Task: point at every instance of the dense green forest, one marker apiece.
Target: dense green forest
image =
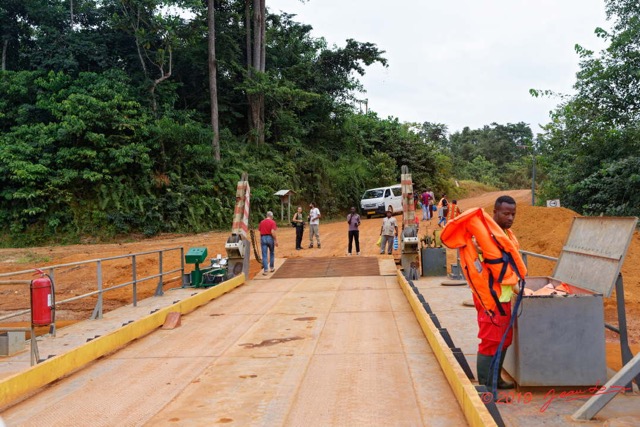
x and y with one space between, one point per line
125 116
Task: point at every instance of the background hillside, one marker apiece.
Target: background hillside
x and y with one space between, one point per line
539 229
118 118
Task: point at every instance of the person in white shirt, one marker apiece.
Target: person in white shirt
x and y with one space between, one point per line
314 223
388 232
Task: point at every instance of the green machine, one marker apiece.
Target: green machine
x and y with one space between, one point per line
205 277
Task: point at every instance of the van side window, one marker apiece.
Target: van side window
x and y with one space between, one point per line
387 193
397 192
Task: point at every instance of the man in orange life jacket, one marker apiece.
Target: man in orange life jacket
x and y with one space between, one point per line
492 328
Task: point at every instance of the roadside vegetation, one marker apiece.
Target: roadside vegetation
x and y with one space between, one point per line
108 119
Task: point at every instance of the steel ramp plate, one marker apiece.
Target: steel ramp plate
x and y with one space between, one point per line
328 267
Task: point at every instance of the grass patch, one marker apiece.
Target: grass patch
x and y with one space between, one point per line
468 189
30 257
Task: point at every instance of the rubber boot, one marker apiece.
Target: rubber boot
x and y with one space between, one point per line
502 384
483 365
484 375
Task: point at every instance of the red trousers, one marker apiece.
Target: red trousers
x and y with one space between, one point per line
491 330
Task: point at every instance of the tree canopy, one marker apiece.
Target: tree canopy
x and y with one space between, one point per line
106 121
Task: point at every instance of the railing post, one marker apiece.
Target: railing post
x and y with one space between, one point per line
35 354
182 265
159 291
135 280
97 311
52 327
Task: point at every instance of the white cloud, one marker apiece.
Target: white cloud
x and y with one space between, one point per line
461 62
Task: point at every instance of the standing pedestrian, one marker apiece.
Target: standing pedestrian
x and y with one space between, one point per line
454 210
314 224
443 210
298 222
492 290
432 200
353 219
424 199
388 232
268 242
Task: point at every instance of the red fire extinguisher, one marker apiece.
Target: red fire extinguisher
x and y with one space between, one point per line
42 300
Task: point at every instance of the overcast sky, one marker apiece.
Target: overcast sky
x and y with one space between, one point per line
461 62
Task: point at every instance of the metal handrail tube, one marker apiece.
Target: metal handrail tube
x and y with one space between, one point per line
15 314
533 254
89 294
71 264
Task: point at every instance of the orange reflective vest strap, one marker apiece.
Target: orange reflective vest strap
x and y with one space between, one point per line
501 261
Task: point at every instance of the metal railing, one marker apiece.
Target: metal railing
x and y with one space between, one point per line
525 254
97 311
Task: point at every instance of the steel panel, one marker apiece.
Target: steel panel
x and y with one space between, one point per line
598 246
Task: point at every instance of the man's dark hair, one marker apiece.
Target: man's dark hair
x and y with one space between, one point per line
504 199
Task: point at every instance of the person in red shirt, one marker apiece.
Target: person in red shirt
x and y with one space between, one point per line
268 242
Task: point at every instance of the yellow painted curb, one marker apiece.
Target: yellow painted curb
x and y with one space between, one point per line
15 386
473 409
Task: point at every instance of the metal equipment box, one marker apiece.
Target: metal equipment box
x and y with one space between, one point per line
559 340
434 261
196 255
11 342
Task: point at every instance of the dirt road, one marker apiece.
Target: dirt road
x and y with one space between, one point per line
539 229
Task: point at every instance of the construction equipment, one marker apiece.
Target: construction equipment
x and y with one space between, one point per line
409 243
238 246
205 277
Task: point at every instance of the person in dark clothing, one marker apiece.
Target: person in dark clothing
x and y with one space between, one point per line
443 210
298 221
353 219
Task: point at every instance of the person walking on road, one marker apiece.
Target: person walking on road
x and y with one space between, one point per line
314 224
353 219
388 232
443 210
268 242
298 222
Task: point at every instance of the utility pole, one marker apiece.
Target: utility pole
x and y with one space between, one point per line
533 176
533 170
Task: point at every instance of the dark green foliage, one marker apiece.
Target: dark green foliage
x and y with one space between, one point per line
496 155
595 135
104 124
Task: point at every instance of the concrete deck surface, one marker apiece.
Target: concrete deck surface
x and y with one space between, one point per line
315 351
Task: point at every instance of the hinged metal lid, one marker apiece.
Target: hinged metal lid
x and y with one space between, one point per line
594 252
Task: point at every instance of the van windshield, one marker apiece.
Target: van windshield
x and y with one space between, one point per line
373 194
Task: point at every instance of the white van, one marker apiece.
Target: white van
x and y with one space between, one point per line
379 200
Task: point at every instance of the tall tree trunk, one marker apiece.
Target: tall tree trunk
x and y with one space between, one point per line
263 34
213 80
256 101
257 34
247 26
5 46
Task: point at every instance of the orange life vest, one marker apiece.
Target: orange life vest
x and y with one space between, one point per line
454 211
500 262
